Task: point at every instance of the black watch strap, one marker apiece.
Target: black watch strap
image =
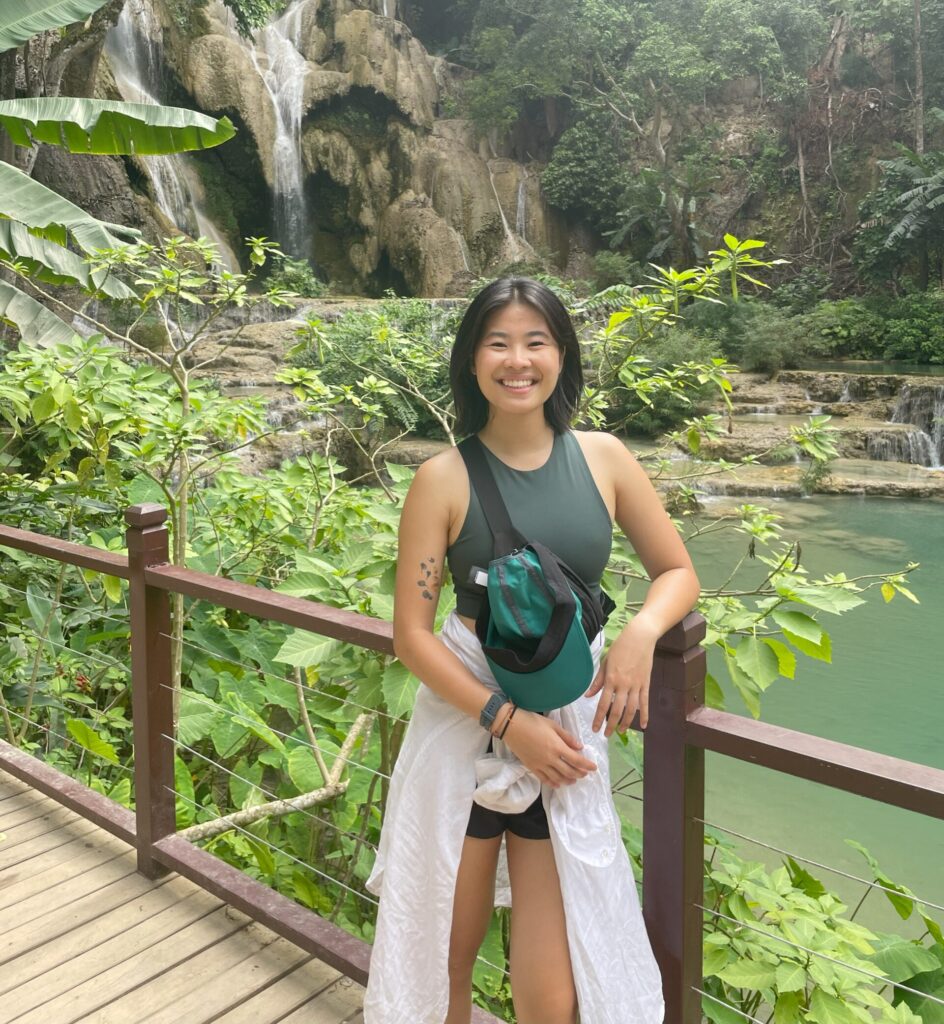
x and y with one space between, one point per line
488 713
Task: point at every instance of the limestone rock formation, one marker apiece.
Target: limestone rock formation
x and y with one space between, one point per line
397 194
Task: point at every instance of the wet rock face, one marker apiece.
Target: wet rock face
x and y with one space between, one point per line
878 417
391 187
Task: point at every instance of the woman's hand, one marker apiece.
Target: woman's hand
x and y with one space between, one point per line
546 749
623 679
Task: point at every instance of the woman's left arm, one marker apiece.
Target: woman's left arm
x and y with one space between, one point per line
623 678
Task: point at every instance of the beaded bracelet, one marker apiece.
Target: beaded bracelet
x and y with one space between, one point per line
511 715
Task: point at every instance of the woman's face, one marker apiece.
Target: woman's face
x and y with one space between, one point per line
517 360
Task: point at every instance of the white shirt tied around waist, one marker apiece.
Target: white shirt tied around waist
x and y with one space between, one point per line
442 763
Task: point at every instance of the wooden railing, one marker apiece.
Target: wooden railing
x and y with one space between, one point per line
680 730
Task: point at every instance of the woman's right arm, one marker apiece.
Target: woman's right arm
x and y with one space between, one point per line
541 745
421 555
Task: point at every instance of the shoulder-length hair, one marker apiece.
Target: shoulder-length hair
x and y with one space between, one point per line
471 405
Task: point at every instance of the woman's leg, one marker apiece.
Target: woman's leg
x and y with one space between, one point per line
542 980
472 911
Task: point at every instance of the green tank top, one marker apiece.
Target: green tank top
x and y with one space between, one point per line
557 504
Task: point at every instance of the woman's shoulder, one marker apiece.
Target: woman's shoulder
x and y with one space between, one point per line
603 445
441 476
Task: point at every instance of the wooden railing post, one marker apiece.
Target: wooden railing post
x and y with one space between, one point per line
151 696
673 798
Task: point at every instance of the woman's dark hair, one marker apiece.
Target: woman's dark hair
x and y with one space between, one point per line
471 404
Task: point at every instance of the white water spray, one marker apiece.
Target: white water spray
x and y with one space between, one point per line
279 63
521 213
133 47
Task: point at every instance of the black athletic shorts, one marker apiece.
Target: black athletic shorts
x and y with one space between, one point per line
529 824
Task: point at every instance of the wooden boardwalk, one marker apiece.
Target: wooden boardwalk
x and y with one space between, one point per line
83 937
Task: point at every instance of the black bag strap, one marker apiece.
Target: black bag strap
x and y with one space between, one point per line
505 538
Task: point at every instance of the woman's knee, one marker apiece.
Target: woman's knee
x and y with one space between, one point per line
551 1003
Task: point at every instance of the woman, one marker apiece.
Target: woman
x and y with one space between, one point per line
577 937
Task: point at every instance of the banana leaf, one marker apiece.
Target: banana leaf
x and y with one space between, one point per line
48 262
49 215
21 19
37 326
111 127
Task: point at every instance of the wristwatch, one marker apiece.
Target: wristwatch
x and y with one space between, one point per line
488 713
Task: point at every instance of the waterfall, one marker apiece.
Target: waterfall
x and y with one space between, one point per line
521 213
923 406
133 48
913 446
512 246
283 70
389 8
464 248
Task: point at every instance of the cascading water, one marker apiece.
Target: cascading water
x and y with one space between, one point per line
133 48
283 69
521 213
923 405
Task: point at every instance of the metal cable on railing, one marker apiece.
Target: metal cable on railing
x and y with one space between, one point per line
826 867
627 796
727 1005
283 853
71 740
64 647
815 952
284 735
311 867
273 796
70 607
259 671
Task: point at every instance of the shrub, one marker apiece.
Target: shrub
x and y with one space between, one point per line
847 327
668 348
297 276
914 330
610 268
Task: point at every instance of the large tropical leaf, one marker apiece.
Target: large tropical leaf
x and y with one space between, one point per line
37 326
49 215
110 126
21 19
51 263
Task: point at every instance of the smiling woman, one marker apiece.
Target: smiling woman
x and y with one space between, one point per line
578 942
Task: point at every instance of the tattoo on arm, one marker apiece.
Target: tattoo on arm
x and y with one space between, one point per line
429 578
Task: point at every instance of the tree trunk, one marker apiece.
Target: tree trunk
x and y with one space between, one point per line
919 82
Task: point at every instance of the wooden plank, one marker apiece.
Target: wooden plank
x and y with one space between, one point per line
113 982
224 990
339 1004
9 786
286 994
83 854
59 895
49 820
23 807
188 974
88 944
19 863
79 906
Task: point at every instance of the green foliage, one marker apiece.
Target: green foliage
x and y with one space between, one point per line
613 268
296 277
787 949
401 345
28 17
43 226
589 170
914 328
